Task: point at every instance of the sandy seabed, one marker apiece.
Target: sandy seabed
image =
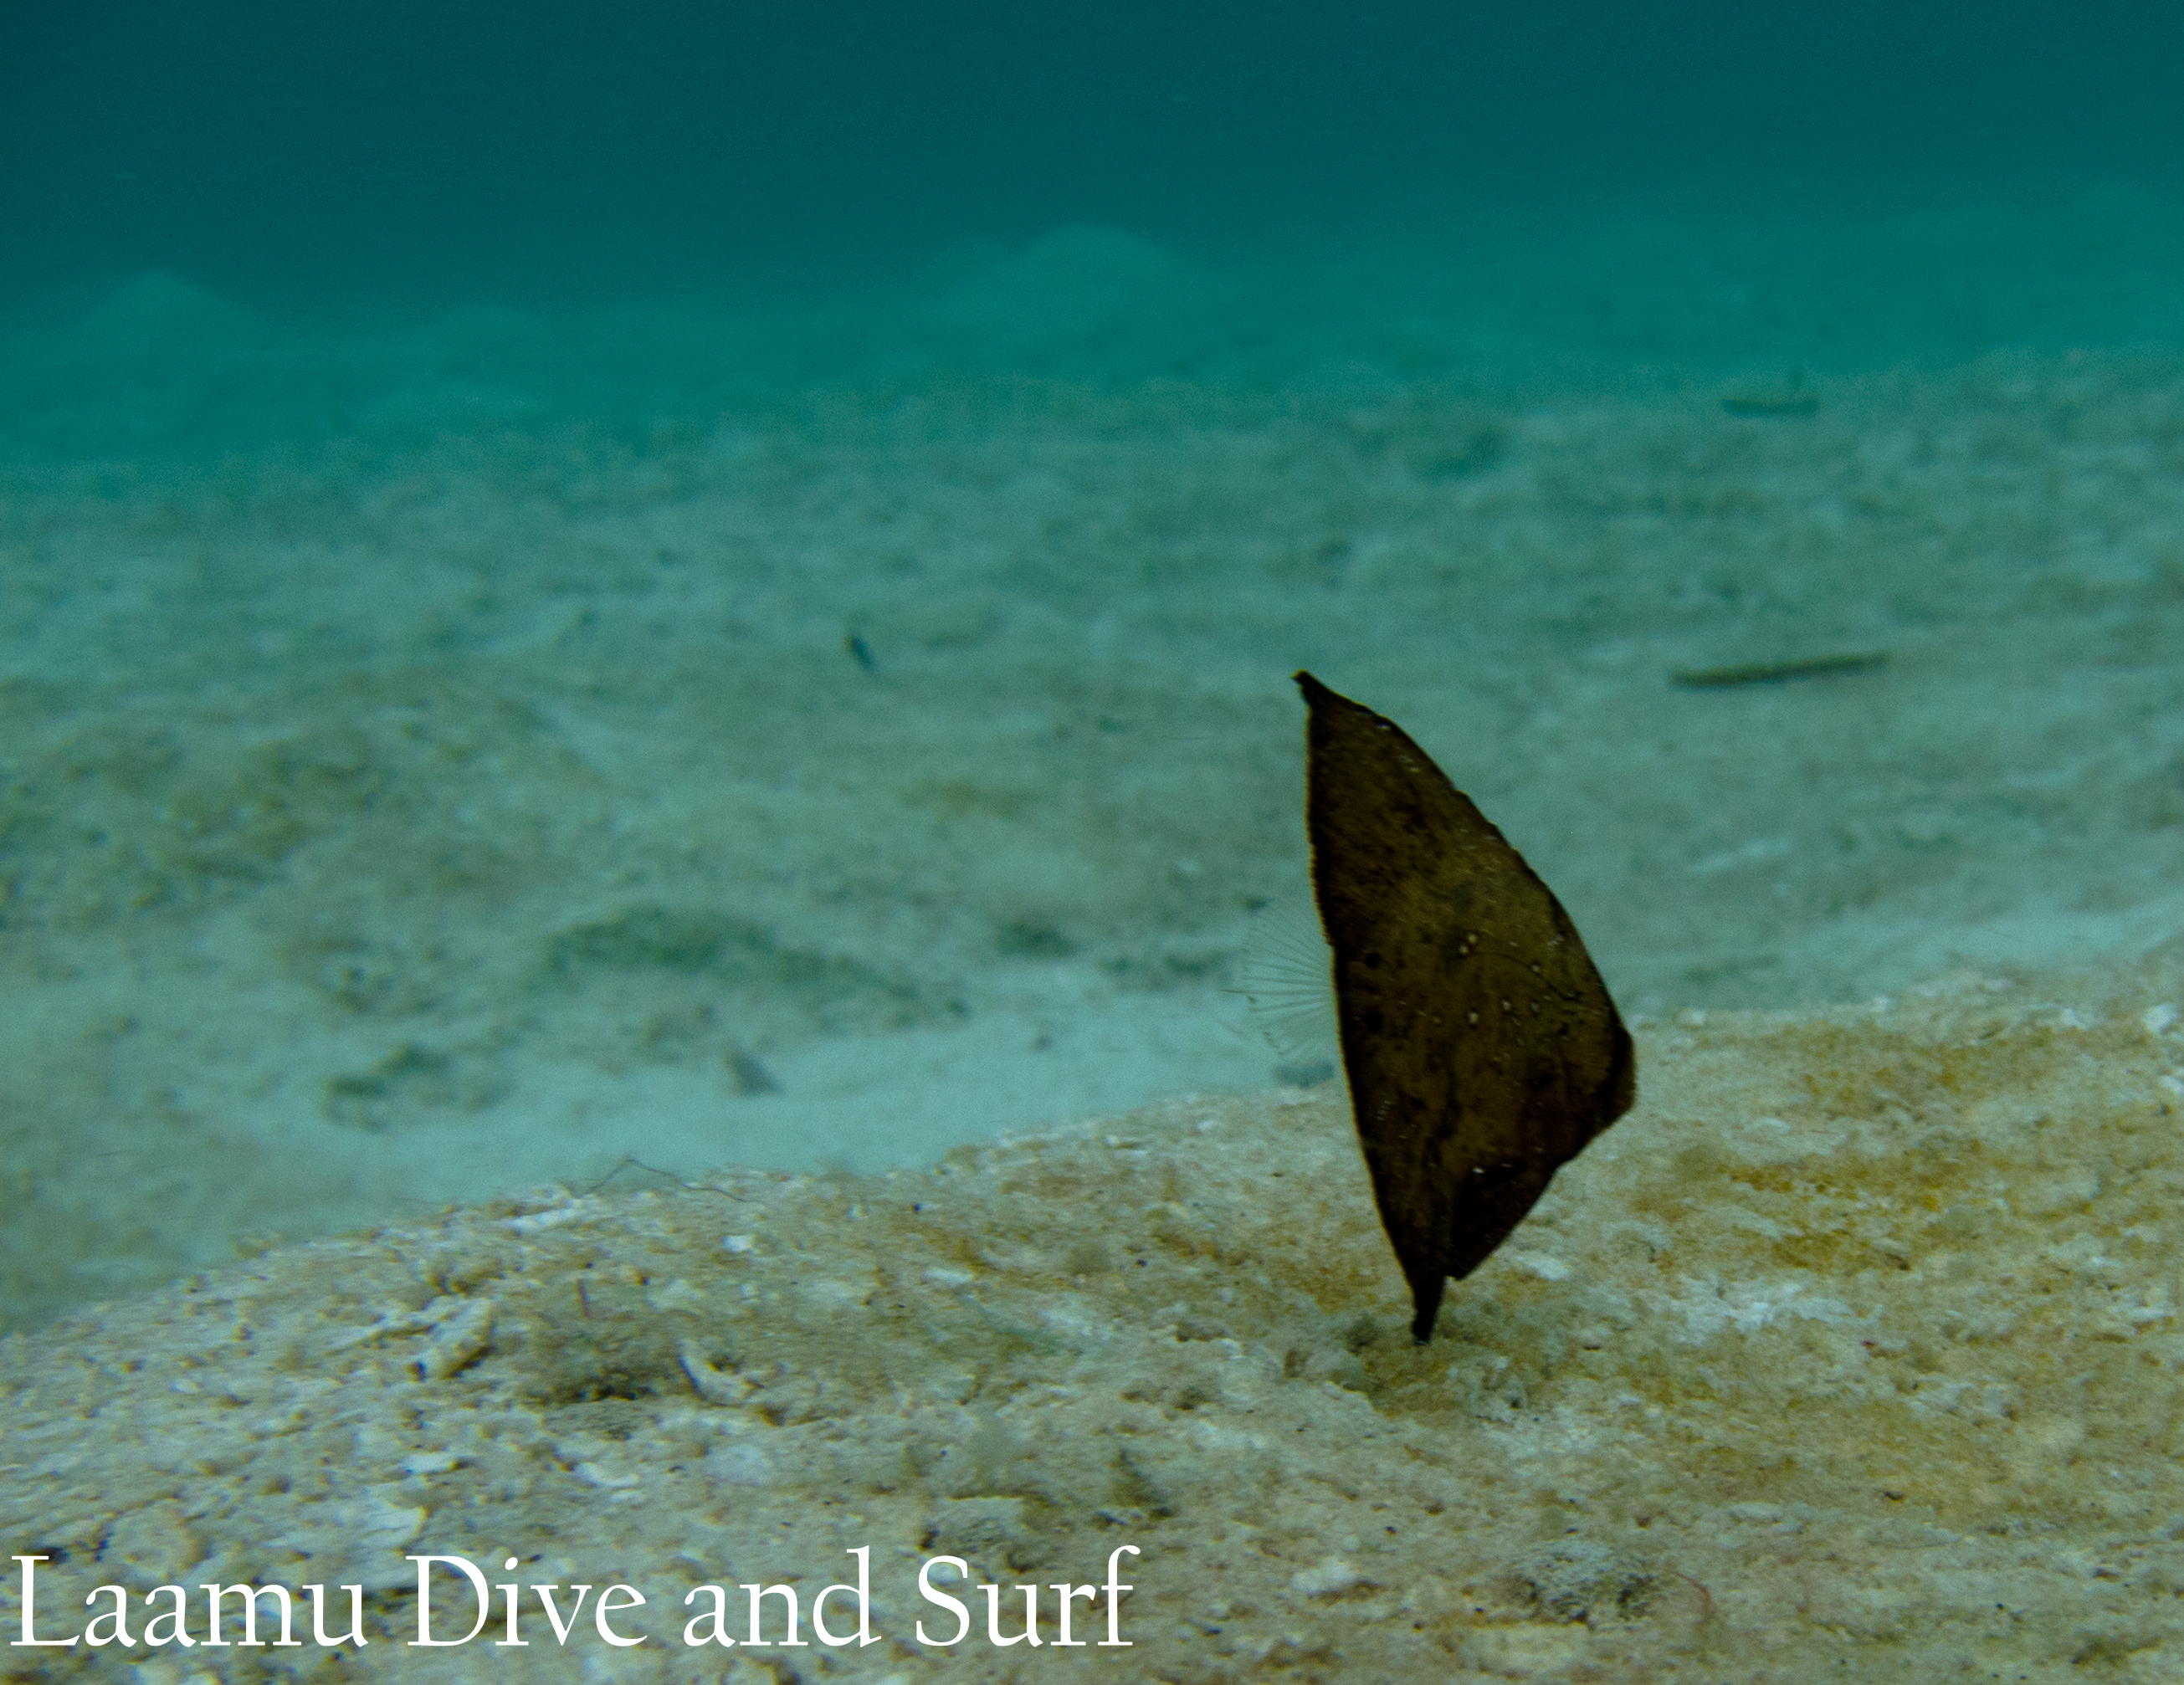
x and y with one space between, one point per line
1853 1352
383 827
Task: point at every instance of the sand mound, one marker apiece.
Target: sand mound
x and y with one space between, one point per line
1854 1345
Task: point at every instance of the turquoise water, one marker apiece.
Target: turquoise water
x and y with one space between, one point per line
723 590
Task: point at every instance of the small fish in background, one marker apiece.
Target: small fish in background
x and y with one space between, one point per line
1777 672
749 1076
1755 409
1763 402
859 651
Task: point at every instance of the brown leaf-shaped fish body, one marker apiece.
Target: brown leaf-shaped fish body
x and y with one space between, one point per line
1482 1050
